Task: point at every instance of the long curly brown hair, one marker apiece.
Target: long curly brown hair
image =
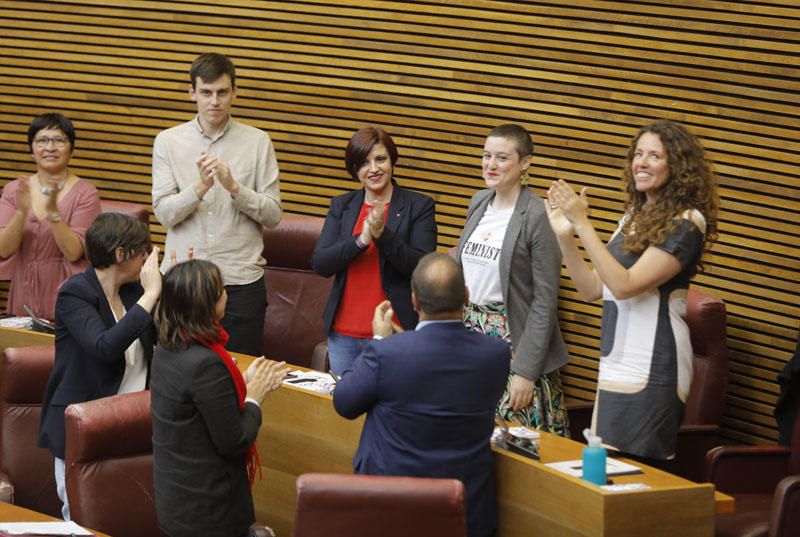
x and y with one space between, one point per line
692 184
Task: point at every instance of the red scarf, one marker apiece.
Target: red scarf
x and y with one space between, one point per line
218 346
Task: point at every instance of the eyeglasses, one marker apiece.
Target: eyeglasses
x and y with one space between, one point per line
43 141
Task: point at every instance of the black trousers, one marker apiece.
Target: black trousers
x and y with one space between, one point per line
244 317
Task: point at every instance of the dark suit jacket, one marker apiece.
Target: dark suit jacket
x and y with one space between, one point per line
430 397
788 404
409 234
90 349
530 272
199 442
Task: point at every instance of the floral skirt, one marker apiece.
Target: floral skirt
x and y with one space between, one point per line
547 410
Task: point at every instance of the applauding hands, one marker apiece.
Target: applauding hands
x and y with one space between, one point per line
213 168
24 195
373 224
382 324
264 376
565 209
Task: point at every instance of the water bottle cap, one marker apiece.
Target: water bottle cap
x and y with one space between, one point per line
592 439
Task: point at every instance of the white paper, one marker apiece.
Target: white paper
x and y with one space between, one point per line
625 487
314 381
524 432
17 322
613 467
519 432
43 528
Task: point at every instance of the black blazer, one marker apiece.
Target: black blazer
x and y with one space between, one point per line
430 396
409 234
90 349
199 442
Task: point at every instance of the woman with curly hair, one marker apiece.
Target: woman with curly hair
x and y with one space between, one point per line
643 275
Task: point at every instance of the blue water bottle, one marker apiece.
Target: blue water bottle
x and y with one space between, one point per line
594 459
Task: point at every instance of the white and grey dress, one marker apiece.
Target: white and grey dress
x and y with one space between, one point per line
646 352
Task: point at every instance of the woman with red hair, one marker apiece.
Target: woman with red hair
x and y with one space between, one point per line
371 242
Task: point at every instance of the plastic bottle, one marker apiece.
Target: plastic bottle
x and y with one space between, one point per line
594 459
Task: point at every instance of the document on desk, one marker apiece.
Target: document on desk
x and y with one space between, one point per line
314 381
613 467
16 322
42 528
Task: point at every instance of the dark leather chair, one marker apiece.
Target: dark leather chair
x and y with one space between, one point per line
109 465
109 462
124 207
765 483
339 505
295 293
26 470
707 321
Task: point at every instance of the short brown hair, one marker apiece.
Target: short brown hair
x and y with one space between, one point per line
110 231
362 142
189 297
517 134
210 66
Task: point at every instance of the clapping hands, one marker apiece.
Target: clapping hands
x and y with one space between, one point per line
565 208
264 376
173 256
373 224
150 277
213 168
382 324
23 198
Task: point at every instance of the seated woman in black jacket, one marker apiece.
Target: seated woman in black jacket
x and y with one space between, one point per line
104 329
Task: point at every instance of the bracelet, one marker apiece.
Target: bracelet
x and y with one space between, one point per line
55 217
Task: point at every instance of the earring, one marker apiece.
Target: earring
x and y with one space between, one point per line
523 179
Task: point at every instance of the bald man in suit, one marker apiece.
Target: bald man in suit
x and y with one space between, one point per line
430 394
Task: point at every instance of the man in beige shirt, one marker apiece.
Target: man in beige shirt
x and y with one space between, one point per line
215 184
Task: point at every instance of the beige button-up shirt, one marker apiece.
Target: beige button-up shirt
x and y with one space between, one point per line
221 228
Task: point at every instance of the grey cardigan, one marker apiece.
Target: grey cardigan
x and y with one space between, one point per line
530 270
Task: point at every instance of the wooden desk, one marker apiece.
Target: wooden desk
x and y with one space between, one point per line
302 433
14 513
17 337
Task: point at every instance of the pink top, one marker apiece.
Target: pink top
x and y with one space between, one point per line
39 268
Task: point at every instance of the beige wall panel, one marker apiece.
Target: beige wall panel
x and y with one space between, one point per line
438 75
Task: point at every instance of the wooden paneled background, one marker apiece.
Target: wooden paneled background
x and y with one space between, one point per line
438 75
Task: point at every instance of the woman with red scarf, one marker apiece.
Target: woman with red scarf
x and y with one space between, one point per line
206 413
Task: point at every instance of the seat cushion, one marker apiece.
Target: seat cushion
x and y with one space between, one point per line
751 518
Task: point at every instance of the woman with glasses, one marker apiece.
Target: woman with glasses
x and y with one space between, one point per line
104 327
43 220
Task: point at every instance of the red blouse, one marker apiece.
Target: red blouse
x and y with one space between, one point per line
363 290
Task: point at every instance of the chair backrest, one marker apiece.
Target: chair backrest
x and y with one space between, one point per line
341 505
124 207
295 293
707 321
794 447
109 465
24 373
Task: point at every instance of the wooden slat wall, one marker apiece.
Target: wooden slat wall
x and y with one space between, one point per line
438 75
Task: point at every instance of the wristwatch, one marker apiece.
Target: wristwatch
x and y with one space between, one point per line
54 217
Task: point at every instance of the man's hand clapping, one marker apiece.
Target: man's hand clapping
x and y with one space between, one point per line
382 324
